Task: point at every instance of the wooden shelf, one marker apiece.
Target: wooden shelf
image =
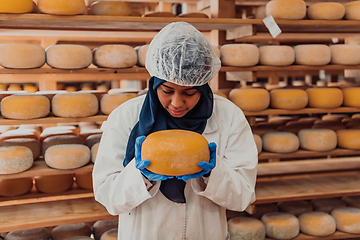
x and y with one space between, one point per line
47 120
336 235
89 70
272 111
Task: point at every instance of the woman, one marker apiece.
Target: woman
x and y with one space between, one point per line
155 207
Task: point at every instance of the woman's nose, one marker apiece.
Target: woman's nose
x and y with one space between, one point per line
177 101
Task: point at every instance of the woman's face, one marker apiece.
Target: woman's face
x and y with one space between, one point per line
177 100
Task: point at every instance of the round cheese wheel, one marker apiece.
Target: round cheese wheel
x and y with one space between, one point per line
29 234
21 55
246 228
345 54
312 54
16 6
317 139
15 187
111 234
93 139
110 8
351 96
62 7
29 88
159 14
70 230
334 116
280 142
77 104
286 9
258 142
325 97
295 207
54 183
327 204
101 226
347 219
175 152
239 55
33 144
114 56
84 180
15 159
317 223
28 106
288 98
352 10
68 56
109 102
351 201
193 15
141 55
58 131
276 55
85 133
60 139
250 99
326 11
280 225
67 156
94 150
19 133
348 138
260 12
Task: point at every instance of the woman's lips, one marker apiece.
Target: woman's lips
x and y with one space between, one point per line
176 112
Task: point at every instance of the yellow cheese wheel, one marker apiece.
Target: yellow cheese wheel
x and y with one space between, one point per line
175 152
141 55
286 9
239 55
351 201
280 142
68 56
326 11
246 228
276 55
295 207
111 234
24 107
19 133
93 139
114 56
29 234
347 219
325 97
159 14
312 54
317 139
15 159
93 152
335 116
351 96
258 142
62 7
15 187
29 88
352 10
327 204
101 226
110 8
85 133
70 230
21 55
58 131
16 6
260 12
54 183
193 15
348 138
345 54
280 225
67 156
109 102
84 180
33 144
251 99
77 104
60 139
288 98
317 223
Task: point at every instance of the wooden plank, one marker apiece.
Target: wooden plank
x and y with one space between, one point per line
336 235
51 119
89 70
289 68
271 111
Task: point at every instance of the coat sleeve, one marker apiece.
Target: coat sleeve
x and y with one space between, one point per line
232 182
120 189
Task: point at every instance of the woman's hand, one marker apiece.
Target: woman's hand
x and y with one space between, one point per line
142 164
206 166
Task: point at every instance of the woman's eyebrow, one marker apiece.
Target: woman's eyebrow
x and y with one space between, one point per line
191 88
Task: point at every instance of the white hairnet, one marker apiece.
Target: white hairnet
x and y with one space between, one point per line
181 54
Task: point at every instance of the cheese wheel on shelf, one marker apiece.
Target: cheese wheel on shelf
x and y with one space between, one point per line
85 133
78 104
62 7
15 159
141 55
67 156
29 234
335 116
317 223
351 96
280 142
280 225
115 56
347 219
326 11
295 207
84 180
276 55
345 54
252 99
101 226
93 139
325 97
327 204
159 14
260 12
109 102
33 144
348 138
16 6
110 8
162 149
286 9
317 139
239 55
352 10
21 55
258 142
111 234
20 133
15 187
312 54
246 228
193 15
288 98
54 183
70 230
60 139
351 201
93 152
69 56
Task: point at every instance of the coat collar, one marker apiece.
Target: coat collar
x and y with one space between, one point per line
212 124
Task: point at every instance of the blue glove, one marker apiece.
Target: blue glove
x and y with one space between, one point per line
206 166
142 164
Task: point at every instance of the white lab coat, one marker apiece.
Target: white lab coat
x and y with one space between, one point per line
144 212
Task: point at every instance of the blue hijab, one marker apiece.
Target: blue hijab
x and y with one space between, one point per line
154 117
